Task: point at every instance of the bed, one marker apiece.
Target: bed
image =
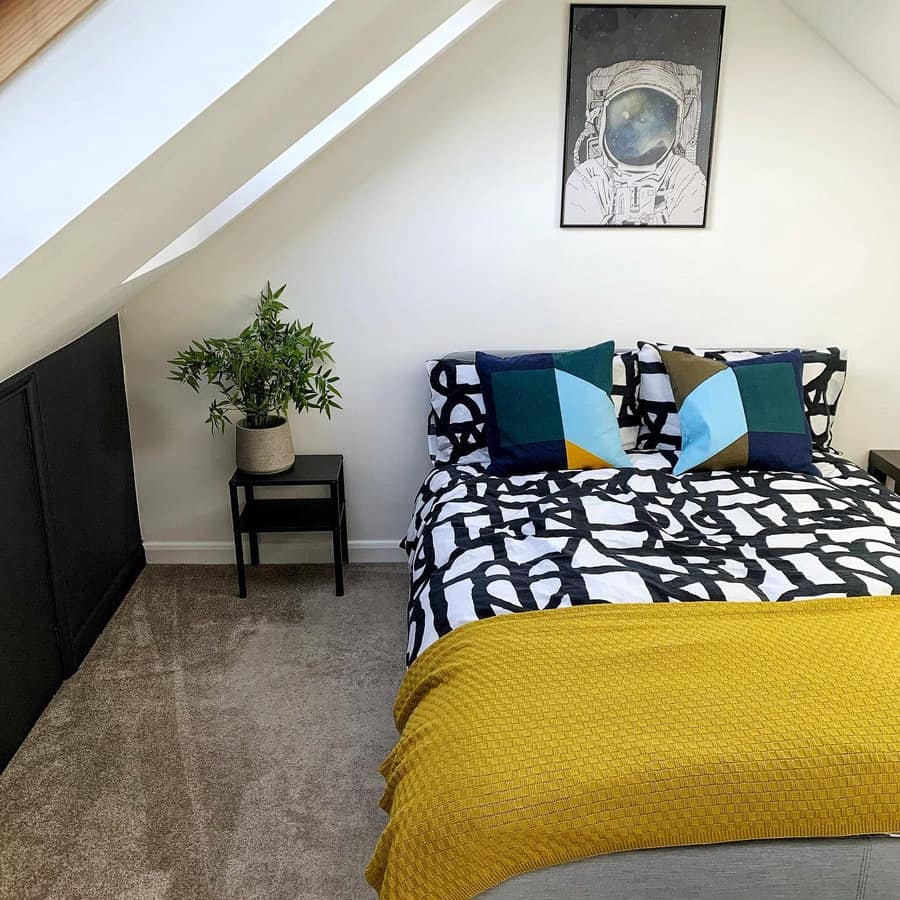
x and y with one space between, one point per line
482 546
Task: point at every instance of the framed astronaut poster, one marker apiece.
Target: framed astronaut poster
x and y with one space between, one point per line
640 112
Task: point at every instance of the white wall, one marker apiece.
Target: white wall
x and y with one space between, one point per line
864 31
432 226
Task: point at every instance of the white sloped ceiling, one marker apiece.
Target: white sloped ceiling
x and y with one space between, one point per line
112 89
865 32
64 287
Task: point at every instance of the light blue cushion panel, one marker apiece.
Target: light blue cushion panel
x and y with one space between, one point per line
712 417
589 419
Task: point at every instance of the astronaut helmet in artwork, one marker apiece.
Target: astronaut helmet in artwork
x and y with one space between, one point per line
635 159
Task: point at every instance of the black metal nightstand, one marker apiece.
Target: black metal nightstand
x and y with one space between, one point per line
300 514
884 464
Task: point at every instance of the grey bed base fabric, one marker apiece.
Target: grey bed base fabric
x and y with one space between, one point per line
855 868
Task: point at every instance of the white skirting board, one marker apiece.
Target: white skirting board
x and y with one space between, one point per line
272 549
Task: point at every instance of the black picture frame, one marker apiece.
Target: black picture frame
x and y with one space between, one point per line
642 49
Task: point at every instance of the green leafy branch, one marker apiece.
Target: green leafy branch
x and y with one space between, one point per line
268 367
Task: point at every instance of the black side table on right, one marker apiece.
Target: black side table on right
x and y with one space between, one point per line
884 464
300 514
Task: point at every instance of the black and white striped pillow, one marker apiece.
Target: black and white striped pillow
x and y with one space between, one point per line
824 372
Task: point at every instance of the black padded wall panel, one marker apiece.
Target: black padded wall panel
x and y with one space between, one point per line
70 541
30 660
95 536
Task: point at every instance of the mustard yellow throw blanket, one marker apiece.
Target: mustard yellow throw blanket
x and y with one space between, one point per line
537 738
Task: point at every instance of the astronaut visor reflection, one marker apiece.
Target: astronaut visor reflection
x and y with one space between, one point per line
640 126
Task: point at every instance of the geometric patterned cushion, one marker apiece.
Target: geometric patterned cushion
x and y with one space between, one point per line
456 419
740 415
551 411
824 373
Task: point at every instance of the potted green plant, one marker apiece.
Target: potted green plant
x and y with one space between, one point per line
268 367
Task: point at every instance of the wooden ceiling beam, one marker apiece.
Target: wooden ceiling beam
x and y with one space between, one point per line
27 26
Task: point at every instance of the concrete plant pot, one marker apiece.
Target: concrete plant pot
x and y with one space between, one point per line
264 451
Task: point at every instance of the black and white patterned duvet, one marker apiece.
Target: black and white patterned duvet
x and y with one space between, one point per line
481 546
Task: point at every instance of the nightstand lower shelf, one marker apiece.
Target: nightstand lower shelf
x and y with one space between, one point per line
270 516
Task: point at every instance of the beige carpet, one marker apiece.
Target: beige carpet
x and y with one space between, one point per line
214 748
